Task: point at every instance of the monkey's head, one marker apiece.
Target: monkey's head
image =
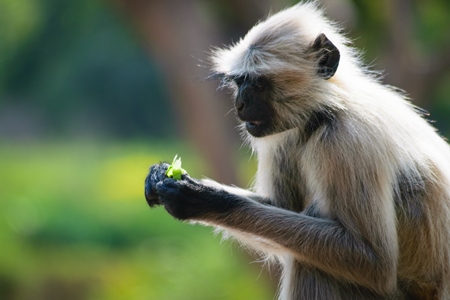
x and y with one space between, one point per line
281 70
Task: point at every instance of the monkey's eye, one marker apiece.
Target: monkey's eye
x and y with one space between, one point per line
259 84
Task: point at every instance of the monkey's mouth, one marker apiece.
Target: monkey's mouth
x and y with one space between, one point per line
256 128
253 124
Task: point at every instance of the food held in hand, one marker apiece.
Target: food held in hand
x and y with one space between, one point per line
175 171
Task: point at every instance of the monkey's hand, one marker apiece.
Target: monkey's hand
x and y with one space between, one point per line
157 174
190 199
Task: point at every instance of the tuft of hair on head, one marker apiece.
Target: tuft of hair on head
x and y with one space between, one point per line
296 39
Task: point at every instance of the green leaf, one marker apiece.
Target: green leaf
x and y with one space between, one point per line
174 170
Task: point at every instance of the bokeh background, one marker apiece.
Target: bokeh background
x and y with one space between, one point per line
93 92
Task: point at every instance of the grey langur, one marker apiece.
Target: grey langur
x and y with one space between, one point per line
352 191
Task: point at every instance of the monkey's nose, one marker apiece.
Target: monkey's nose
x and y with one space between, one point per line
239 104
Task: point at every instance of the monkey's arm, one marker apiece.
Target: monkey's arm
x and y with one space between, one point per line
237 191
323 243
157 174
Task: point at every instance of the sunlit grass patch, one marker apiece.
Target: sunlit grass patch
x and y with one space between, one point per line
74 217
122 178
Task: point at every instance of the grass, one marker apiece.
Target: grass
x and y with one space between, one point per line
75 225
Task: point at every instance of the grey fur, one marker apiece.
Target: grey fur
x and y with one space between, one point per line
352 192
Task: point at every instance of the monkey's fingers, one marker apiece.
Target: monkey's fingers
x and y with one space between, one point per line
156 174
150 192
171 197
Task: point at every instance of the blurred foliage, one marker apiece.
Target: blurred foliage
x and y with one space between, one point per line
18 20
75 225
430 20
432 23
78 66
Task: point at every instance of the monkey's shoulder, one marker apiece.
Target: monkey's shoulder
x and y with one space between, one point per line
322 121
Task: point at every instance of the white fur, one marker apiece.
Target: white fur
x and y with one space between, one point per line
388 133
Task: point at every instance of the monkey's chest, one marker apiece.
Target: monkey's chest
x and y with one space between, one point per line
288 188
280 177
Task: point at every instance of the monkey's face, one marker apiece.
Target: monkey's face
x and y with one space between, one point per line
268 104
275 73
253 103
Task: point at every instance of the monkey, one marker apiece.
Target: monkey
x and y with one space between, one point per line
352 190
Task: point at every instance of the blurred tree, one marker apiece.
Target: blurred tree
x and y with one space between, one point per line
18 21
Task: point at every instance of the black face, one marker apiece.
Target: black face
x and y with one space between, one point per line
253 104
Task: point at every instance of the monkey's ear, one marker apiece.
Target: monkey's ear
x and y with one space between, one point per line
328 56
